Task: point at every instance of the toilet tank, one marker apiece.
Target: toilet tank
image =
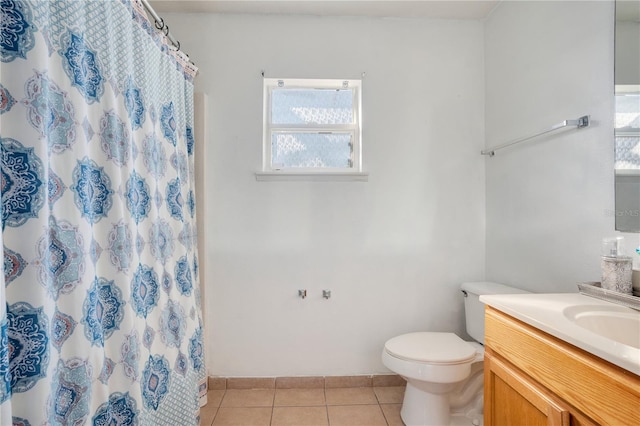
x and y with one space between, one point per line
474 308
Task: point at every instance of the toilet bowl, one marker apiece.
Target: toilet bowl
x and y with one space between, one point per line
436 366
433 364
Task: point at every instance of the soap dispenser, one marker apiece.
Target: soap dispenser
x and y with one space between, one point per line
616 267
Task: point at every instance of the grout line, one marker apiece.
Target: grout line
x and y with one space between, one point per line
326 406
273 402
383 414
218 409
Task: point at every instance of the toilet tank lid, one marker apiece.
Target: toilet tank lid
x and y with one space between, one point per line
487 287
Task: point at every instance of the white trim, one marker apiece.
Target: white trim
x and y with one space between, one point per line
275 176
627 172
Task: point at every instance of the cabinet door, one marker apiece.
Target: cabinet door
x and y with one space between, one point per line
512 398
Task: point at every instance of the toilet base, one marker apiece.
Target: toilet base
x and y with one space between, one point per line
461 420
461 406
421 408
424 418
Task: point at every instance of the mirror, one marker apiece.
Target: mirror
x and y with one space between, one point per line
627 116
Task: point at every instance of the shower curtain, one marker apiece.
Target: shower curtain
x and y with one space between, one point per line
99 309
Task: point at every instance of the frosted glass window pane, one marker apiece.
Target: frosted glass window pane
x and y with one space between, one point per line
295 149
627 111
627 120
312 106
627 152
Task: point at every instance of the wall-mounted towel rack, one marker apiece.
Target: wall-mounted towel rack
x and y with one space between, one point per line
578 122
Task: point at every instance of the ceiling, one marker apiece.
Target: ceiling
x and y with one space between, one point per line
442 9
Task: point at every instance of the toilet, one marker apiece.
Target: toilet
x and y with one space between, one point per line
443 372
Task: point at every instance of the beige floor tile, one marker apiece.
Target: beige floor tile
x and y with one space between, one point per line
299 416
347 381
350 396
356 415
299 397
243 416
300 382
251 382
248 398
390 394
217 383
214 397
392 414
207 414
388 380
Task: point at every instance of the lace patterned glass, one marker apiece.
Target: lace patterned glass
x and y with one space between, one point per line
627 125
304 149
312 106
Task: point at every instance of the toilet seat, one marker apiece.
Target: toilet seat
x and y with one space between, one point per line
431 348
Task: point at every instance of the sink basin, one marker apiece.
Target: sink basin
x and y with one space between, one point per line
619 324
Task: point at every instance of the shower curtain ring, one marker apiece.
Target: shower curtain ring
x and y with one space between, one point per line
177 44
160 25
166 30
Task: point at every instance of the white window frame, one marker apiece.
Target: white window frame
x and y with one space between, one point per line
273 172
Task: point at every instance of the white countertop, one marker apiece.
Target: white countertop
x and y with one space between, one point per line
547 313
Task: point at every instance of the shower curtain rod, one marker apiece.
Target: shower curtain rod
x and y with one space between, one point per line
161 26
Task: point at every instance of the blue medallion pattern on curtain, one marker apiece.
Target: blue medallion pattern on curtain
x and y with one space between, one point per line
100 317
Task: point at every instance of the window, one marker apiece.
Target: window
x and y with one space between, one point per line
312 127
627 127
627 158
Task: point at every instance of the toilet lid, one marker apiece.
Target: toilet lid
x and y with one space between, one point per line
429 347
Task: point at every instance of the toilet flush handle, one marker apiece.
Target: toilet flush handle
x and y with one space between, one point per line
465 293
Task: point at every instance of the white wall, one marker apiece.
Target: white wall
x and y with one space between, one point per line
550 201
392 250
628 53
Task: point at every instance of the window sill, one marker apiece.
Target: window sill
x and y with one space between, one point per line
313 177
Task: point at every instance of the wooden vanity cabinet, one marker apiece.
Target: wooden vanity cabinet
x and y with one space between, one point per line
533 378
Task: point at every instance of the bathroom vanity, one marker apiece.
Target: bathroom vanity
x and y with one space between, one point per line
543 367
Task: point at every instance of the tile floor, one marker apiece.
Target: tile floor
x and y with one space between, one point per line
355 406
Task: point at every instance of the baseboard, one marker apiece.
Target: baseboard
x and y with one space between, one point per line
305 382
